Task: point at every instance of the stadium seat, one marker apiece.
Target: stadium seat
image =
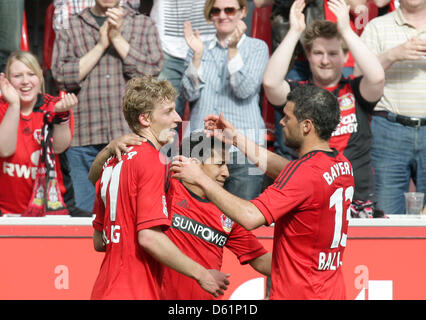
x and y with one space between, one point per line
261 29
49 37
24 34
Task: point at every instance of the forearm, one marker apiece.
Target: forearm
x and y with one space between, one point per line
367 62
98 242
9 131
262 264
89 61
274 83
162 249
61 137
96 168
239 210
387 58
121 46
267 161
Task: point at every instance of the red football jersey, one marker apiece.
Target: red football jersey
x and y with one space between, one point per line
309 204
19 171
200 230
130 197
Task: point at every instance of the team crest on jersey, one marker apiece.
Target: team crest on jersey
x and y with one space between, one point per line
37 135
346 102
165 206
226 223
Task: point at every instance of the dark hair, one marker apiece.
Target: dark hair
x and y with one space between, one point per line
318 105
198 146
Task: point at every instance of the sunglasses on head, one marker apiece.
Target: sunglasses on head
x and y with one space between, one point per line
229 11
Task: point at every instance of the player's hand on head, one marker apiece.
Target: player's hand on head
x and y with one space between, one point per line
187 169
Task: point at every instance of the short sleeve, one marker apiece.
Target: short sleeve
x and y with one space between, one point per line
244 244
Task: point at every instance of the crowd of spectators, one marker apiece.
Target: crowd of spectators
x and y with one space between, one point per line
377 65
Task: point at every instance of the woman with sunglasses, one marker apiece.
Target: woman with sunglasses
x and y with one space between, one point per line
224 75
34 129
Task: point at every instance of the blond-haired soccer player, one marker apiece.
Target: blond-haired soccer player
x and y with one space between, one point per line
130 207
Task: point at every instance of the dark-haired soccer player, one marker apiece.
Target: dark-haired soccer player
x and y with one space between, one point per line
308 201
131 210
199 229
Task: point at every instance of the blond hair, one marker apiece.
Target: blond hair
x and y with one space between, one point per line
321 29
29 60
142 95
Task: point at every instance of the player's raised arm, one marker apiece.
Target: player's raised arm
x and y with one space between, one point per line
269 162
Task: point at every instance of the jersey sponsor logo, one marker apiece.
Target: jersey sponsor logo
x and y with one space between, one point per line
199 230
348 121
227 223
19 171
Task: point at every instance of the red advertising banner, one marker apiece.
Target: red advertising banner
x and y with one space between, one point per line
53 258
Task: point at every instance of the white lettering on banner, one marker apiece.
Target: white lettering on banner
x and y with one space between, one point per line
62 281
19 171
338 169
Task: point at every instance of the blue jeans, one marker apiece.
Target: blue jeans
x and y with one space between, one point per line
11 15
173 70
398 153
80 160
245 179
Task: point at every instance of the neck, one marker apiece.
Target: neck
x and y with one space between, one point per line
310 146
415 16
98 10
194 189
222 38
325 84
147 134
27 108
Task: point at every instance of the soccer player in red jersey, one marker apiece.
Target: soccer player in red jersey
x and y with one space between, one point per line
200 229
327 46
131 210
308 201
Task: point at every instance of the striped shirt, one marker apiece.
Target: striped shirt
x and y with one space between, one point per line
65 8
170 16
405 84
98 115
231 87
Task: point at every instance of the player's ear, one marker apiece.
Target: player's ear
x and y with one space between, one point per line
307 126
144 120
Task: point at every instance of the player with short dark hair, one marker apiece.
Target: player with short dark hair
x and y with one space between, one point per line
200 229
308 201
